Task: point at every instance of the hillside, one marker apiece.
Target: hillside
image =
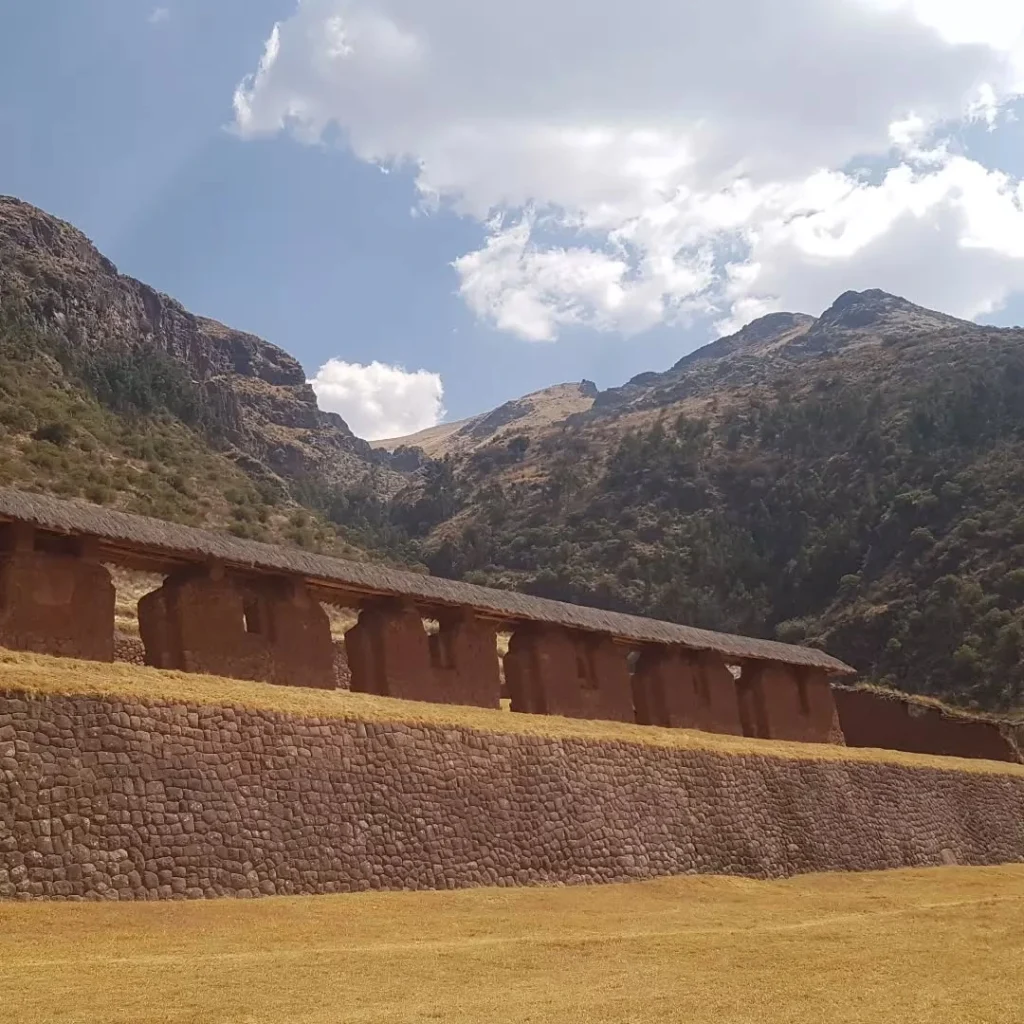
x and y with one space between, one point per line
853 480
116 393
530 413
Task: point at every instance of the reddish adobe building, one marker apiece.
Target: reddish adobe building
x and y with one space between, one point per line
202 621
391 654
553 671
238 608
55 596
681 689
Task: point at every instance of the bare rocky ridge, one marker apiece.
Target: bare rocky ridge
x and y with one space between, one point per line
267 410
531 412
748 357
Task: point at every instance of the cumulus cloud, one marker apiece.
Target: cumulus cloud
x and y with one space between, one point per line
644 163
379 400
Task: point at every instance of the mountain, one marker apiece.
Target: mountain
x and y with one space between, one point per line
116 392
530 413
853 480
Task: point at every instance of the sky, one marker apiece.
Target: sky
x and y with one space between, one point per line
440 206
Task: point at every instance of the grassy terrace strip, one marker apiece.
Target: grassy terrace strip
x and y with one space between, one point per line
33 674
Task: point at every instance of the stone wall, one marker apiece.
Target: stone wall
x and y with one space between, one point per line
108 799
129 649
871 719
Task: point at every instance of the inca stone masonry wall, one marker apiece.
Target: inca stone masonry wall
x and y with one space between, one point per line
108 799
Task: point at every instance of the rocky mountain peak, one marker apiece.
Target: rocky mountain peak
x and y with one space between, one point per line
874 315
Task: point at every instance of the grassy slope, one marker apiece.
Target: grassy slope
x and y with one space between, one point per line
903 946
42 675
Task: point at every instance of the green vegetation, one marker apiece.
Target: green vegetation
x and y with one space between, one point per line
872 504
131 430
904 947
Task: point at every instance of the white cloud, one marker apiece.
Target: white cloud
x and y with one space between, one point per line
379 400
636 164
159 15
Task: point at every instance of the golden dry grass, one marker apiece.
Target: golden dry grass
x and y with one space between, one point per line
35 673
933 946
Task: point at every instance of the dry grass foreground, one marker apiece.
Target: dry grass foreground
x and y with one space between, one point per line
941 945
42 675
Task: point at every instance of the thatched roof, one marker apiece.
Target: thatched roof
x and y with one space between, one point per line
152 543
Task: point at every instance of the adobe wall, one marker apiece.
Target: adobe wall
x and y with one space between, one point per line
553 671
272 631
784 702
464 662
871 720
111 799
685 690
54 603
390 654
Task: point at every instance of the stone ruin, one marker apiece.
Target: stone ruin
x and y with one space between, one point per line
251 611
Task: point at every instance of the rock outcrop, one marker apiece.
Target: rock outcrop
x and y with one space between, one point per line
255 392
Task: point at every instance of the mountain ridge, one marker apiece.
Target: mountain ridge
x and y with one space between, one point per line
851 481
266 407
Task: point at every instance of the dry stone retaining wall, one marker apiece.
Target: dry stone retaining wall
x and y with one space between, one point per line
101 798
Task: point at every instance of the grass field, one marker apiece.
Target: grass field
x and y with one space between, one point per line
942 945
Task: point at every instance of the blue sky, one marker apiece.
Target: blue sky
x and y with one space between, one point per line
530 229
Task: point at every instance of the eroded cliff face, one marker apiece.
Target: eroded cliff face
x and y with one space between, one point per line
257 392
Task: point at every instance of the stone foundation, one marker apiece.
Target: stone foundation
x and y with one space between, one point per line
129 649
108 799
